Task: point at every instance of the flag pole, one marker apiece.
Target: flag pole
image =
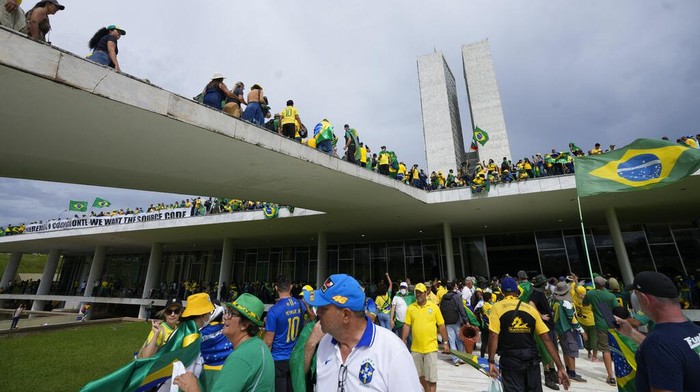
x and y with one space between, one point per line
583 233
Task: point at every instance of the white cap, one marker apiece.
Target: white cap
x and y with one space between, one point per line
403 284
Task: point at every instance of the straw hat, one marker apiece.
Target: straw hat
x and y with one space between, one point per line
562 292
218 76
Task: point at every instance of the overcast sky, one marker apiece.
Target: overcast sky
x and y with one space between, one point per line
594 71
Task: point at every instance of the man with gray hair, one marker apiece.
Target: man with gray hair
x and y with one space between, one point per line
669 358
468 290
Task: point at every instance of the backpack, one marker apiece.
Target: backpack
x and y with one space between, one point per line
449 310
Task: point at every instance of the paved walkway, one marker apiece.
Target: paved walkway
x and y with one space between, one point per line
38 321
466 378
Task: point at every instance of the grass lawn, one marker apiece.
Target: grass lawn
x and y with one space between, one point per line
67 359
30 263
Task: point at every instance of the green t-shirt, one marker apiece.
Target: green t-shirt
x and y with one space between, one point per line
597 298
249 368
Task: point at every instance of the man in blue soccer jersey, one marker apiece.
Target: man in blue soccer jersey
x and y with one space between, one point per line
284 321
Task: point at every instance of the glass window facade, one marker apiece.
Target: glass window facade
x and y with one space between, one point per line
671 250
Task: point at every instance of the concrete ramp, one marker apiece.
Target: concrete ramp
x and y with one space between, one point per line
67 119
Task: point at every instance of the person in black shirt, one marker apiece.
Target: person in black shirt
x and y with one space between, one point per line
539 300
104 46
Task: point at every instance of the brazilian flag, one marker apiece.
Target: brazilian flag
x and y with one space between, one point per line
76 205
644 164
101 203
481 136
623 350
271 210
148 374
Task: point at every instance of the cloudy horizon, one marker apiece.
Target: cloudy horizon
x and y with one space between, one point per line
593 72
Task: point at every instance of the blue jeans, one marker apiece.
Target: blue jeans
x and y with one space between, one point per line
325 146
384 320
455 344
99 57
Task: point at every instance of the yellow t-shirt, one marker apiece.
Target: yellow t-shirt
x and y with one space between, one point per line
440 292
432 298
402 169
522 322
363 154
383 303
289 115
584 313
162 338
383 158
423 321
691 142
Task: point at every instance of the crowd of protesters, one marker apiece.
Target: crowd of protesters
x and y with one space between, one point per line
198 206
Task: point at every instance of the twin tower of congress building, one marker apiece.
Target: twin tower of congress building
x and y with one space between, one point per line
346 219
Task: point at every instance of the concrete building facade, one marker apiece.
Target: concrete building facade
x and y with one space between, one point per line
442 129
484 100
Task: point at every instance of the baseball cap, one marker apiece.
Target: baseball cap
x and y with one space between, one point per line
403 284
340 290
656 284
173 302
600 281
116 27
56 3
509 285
421 287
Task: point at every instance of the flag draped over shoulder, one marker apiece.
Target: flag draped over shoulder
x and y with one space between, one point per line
77 205
144 374
644 164
481 136
296 361
622 350
101 203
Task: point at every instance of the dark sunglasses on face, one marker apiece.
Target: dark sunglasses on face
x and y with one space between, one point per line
172 311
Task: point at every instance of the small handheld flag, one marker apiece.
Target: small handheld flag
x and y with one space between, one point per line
76 205
101 203
481 136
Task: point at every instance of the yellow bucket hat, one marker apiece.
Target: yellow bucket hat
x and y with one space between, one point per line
197 305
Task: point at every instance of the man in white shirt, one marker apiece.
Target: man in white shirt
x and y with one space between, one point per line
356 355
398 309
468 290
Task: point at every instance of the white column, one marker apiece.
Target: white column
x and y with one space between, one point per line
11 269
47 278
98 262
623 260
322 260
226 264
152 273
10 272
449 252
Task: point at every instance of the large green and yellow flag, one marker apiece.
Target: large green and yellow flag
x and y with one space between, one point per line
148 374
644 164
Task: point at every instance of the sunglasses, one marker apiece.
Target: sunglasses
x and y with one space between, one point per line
229 313
172 311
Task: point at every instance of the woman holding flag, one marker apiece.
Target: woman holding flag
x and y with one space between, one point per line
250 367
162 329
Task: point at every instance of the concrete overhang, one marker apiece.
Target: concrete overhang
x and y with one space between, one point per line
69 120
